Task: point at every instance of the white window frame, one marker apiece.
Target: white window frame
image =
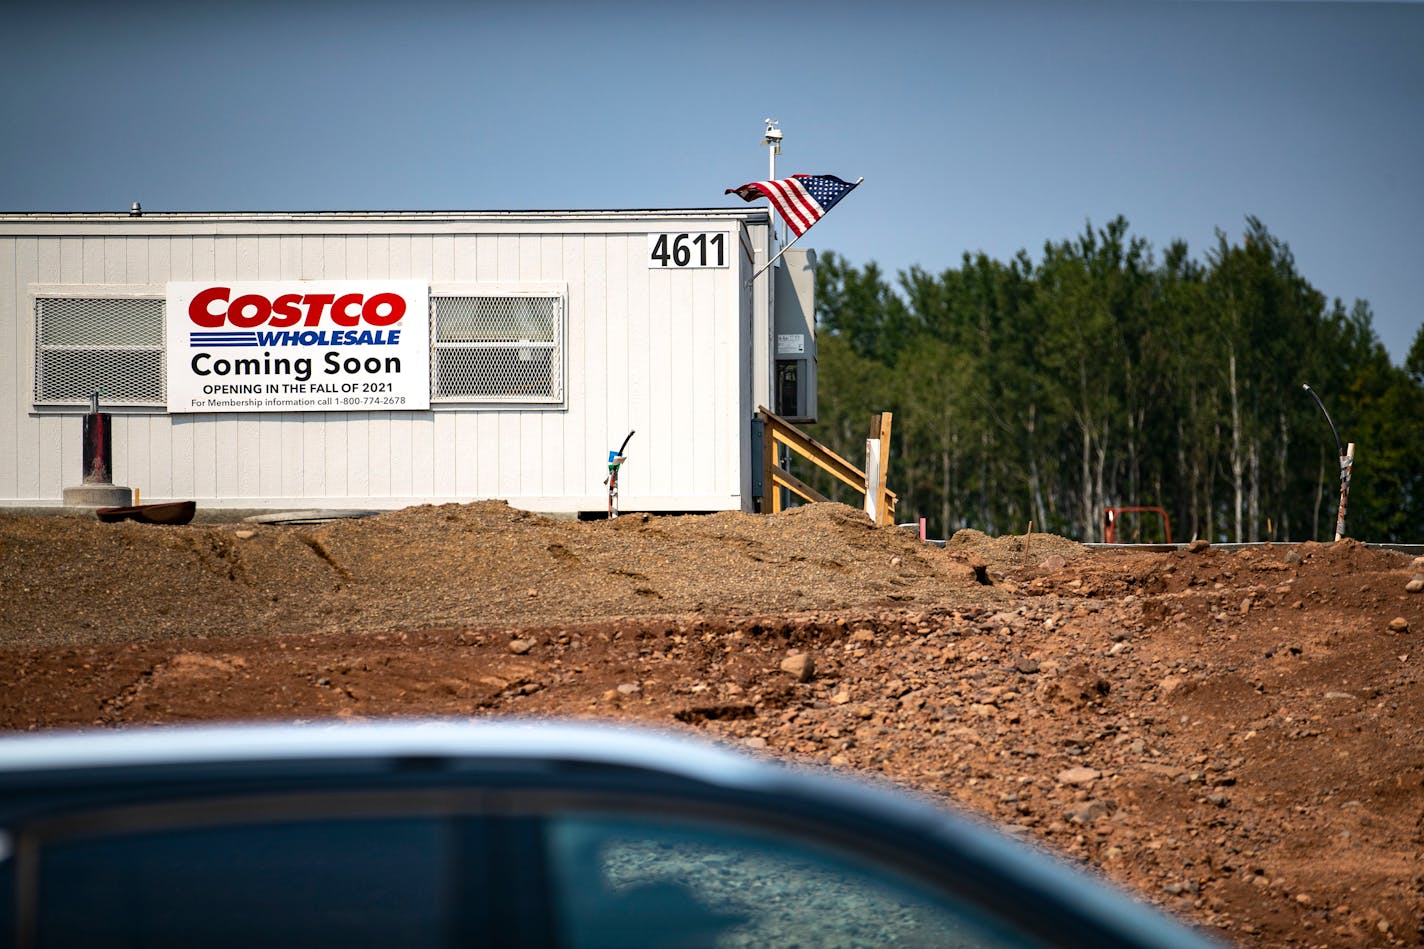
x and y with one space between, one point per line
106 292
560 346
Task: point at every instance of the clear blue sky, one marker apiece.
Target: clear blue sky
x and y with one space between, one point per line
991 126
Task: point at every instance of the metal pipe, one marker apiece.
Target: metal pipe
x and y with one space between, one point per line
1347 464
98 445
1339 447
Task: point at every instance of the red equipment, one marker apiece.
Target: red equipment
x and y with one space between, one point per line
1110 521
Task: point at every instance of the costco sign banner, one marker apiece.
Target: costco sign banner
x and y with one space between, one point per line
298 346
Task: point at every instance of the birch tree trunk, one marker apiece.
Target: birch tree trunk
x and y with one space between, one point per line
1238 461
1035 484
1319 500
1184 466
1085 501
986 485
1253 499
1210 482
1085 470
945 486
1284 482
1099 495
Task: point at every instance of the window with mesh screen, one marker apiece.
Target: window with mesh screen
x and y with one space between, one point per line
497 349
109 345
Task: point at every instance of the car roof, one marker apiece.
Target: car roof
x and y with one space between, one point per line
533 740
33 762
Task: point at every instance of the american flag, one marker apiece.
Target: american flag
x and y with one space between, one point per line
801 200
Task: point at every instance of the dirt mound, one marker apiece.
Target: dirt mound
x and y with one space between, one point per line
1236 736
451 565
1014 552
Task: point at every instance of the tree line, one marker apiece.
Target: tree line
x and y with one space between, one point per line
1102 374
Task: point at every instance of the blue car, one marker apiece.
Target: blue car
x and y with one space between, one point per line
504 834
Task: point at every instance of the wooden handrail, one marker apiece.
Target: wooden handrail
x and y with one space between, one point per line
796 486
778 431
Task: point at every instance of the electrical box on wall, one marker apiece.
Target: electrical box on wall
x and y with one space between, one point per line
794 387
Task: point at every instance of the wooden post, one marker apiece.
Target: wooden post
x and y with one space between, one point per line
887 506
1347 463
872 474
877 461
770 493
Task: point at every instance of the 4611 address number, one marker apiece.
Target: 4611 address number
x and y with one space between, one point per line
688 250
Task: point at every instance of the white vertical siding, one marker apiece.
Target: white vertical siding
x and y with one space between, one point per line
14 273
639 326
36 261
593 316
577 445
158 433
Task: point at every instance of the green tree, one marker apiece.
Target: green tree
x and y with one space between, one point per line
1039 391
1414 362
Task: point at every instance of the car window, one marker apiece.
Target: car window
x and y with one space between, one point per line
346 882
7 886
629 882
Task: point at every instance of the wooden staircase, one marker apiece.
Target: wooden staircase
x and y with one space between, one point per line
777 433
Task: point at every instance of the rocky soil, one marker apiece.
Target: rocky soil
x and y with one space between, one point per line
1237 736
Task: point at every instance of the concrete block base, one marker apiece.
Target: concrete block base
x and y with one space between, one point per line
98 495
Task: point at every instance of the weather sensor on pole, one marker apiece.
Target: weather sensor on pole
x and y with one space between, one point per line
772 140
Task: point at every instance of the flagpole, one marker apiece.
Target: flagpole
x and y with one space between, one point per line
783 250
773 260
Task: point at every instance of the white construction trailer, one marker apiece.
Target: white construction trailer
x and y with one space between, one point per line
374 360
